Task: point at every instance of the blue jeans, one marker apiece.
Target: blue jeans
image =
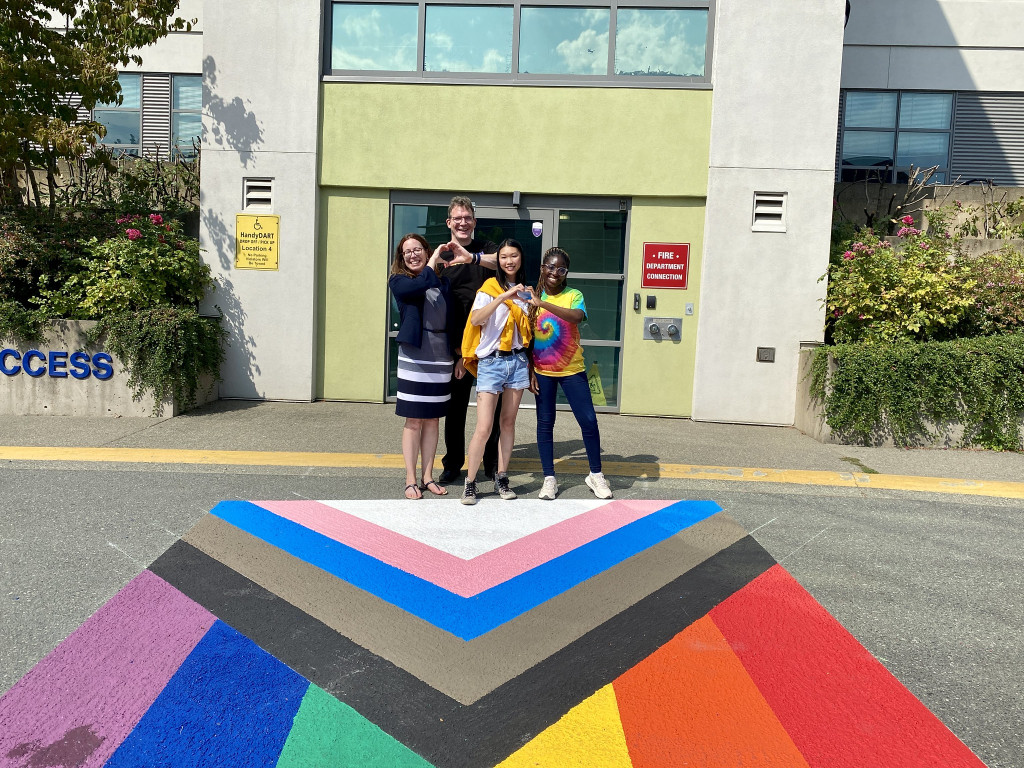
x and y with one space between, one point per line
496 373
577 392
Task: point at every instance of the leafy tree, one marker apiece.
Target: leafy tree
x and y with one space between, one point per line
54 56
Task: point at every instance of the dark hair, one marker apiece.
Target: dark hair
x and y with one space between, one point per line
398 266
539 290
499 273
461 201
557 252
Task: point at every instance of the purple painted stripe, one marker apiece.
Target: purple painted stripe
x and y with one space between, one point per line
77 705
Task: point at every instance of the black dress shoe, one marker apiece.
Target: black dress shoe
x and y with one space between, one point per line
450 476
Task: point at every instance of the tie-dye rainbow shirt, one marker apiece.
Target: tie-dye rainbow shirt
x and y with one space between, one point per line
556 342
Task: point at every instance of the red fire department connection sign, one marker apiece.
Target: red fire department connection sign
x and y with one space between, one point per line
666 265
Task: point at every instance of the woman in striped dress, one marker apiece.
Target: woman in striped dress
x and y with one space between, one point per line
424 356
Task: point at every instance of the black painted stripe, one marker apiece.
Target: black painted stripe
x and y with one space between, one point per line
446 733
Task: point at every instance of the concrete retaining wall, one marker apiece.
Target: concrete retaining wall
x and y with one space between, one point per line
73 378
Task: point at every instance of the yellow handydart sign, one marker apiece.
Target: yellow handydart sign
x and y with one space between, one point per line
256 241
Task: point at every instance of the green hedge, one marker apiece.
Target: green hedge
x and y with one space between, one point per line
896 390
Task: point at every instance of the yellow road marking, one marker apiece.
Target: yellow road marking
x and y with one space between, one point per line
1001 489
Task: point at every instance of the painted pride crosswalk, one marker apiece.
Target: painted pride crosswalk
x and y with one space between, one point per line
353 633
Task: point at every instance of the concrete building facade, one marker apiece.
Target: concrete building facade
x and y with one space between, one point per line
356 122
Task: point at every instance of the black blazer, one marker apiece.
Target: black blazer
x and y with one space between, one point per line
409 292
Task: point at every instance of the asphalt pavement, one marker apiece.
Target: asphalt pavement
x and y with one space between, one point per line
916 552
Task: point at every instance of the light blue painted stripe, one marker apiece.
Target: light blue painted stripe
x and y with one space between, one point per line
230 703
465 617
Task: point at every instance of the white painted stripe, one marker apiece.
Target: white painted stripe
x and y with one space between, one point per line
424 398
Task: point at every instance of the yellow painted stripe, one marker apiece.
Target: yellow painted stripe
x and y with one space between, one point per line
1001 489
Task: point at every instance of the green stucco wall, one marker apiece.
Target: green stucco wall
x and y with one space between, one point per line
650 145
565 141
353 294
657 376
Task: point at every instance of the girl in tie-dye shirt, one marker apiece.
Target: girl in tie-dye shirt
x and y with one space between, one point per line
556 313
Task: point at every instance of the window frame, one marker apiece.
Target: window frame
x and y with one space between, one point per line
889 174
133 150
497 205
174 111
515 77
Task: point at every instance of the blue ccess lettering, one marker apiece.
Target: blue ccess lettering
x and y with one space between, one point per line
56 364
101 366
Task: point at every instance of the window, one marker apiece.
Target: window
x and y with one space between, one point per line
564 41
186 114
656 43
592 231
123 121
884 133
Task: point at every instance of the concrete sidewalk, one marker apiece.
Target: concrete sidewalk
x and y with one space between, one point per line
632 445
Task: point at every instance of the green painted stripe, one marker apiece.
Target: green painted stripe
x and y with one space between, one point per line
328 733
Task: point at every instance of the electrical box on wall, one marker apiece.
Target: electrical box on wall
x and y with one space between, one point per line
766 354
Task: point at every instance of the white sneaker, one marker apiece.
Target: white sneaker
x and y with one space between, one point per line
596 482
550 489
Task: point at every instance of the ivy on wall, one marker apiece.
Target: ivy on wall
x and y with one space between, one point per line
915 392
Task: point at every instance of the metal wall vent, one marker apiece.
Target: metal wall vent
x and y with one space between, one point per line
258 194
769 212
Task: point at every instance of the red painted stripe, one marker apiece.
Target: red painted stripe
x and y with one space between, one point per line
839 704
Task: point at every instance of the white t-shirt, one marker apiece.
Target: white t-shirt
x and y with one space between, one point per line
490 332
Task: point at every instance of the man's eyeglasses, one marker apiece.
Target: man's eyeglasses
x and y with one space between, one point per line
461 219
560 271
413 251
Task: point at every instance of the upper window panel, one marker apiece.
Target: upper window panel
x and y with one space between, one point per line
374 37
868 109
660 43
564 41
926 110
468 38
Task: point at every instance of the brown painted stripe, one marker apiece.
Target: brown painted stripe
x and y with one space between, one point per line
445 732
463 670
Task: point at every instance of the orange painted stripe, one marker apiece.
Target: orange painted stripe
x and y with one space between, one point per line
691 703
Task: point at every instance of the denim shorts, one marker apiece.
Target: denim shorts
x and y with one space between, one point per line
495 373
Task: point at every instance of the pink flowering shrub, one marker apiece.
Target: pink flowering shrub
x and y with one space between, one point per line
881 292
149 263
998 292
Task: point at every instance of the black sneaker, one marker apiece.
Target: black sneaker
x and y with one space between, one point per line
469 492
501 486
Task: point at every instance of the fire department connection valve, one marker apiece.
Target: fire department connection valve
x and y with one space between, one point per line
663 328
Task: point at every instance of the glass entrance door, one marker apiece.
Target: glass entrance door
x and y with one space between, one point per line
591 232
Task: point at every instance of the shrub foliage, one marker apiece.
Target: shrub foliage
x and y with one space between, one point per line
914 392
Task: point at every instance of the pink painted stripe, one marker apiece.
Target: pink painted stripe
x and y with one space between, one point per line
463 577
78 704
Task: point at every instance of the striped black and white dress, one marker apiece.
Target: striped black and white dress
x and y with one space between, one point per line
425 372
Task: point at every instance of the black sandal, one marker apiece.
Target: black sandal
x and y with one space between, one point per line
413 498
426 487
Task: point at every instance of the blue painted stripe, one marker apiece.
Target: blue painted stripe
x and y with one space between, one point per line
465 617
230 703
